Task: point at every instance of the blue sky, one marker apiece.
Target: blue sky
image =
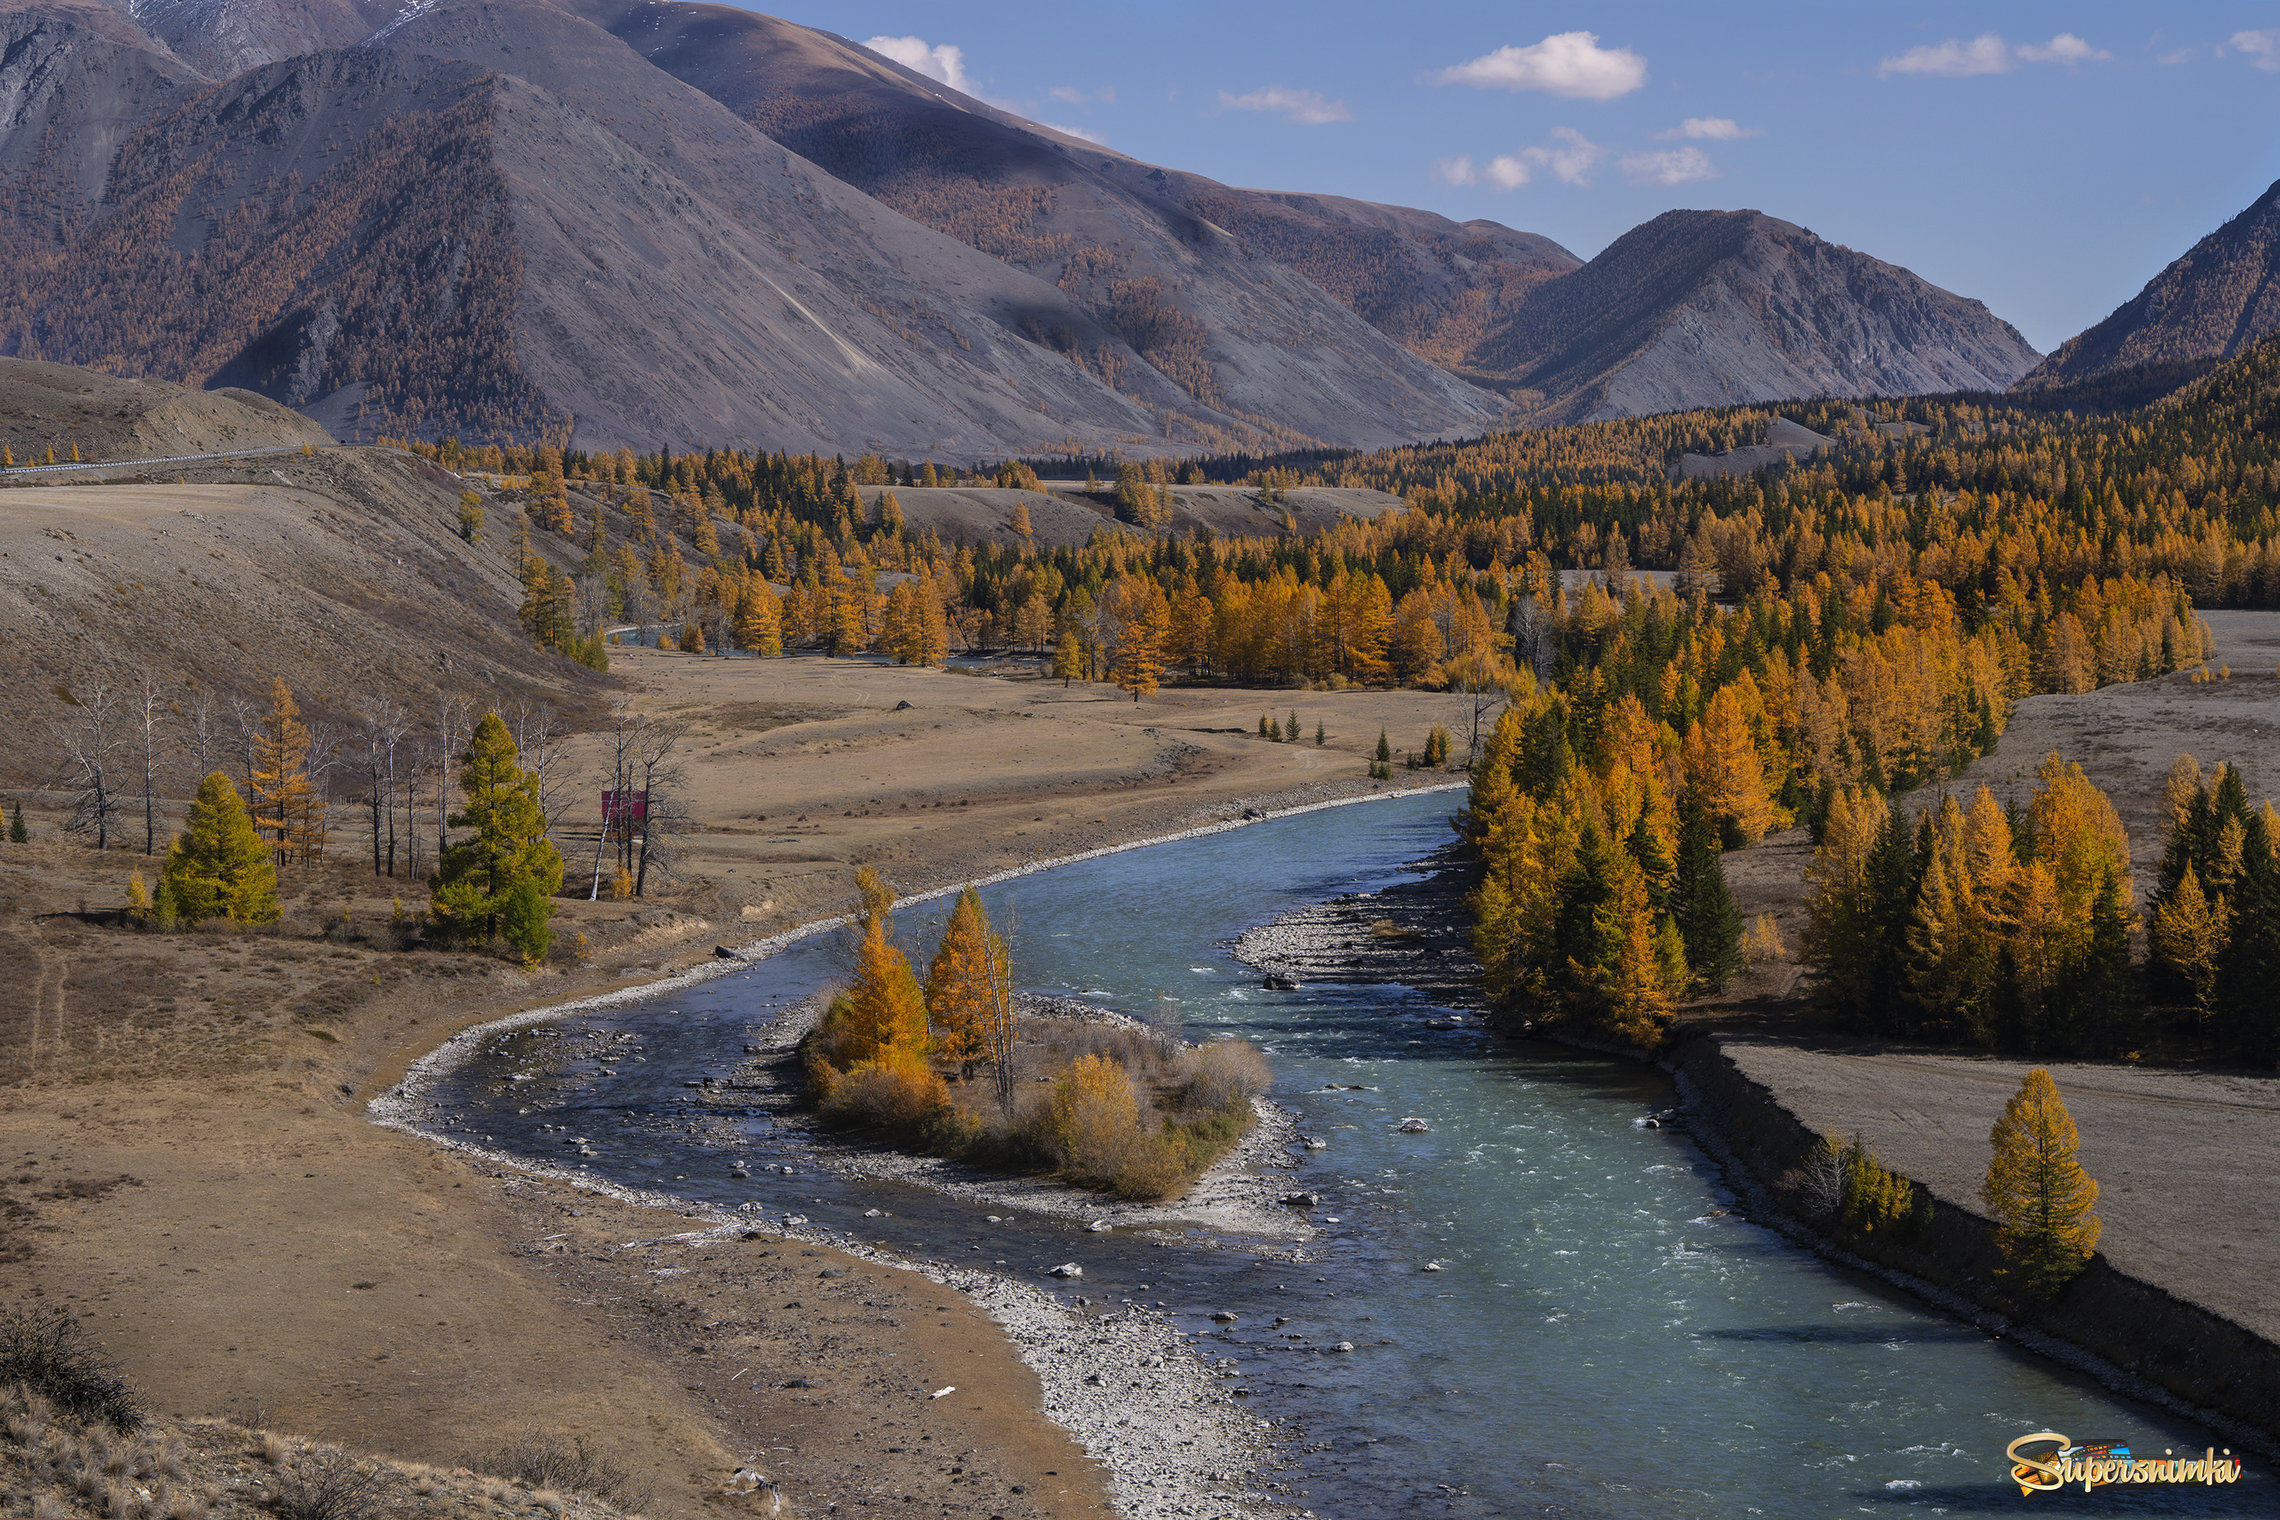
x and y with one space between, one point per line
2046 159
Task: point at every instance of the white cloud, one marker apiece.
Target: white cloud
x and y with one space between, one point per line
1988 53
1984 54
1569 64
945 64
1092 137
1669 166
1506 172
2180 56
1304 107
2262 48
1569 157
1106 94
1711 129
2065 48
1572 160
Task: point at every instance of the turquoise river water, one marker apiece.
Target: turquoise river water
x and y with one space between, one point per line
1605 1336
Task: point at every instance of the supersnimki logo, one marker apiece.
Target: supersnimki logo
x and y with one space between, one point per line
2047 1461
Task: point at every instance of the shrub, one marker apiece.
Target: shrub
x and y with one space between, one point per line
1091 1129
1761 942
330 1484
50 1355
1223 1077
547 1461
903 1100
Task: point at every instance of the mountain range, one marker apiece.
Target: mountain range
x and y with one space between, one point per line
2212 302
679 224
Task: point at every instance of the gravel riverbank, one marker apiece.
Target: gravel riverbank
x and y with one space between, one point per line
1126 1383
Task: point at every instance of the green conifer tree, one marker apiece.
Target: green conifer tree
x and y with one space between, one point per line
2103 1006
219 866
17 833
1709 922
2247 1015
499 880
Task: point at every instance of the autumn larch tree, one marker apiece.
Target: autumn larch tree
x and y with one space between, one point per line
880 1020
498 882
218 866
2040 1196
285 806
962 992
1137 661
1068 657
760 619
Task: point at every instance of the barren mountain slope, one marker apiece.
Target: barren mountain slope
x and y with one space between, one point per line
1710 308
55 406
471 250
2218 298
1214 307
221 38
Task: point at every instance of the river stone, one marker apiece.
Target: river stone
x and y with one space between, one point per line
1317 1143
1301 1200
1223 1317
1068 1269
1100 1227
1343 1346
1414 1126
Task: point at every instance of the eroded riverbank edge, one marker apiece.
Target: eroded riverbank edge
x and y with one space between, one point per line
2136 1338
1137 1396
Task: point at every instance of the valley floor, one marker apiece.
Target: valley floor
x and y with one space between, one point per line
185 1161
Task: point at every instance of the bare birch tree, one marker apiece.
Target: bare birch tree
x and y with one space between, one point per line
665 814
382 730
89 739
146 720
204 724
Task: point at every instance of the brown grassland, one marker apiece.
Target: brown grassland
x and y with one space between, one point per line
187 1166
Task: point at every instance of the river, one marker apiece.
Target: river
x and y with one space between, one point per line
1605 1336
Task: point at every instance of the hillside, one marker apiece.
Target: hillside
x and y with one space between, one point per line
1150 257
2216 300
340 571
578 206
56 407
611 225
1706 308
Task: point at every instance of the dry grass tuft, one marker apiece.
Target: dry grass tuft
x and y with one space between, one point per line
331 1484
548 1462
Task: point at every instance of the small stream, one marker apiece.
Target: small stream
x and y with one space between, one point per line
1604 1335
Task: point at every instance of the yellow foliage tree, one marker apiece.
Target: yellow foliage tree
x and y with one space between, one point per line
285 806
1723 761
2189 932
1144 623
2036 1189
881 1018
962 986
760 619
